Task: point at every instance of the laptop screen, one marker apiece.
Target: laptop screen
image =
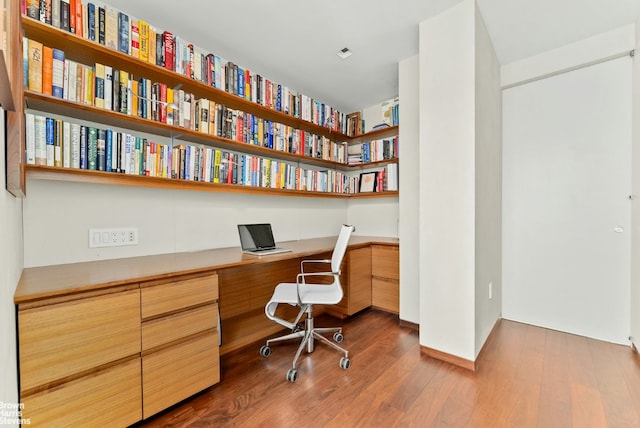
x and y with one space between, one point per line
256 236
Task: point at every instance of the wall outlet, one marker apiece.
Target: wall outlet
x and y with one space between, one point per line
490 290
116 237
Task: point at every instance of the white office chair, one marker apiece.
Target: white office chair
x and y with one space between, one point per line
304 296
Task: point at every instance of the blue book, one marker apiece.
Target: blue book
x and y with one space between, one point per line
25 61
109 150
254 132
49 139
101 150
123 32
279 98
187 162
240 82
91 18
57 79
270 135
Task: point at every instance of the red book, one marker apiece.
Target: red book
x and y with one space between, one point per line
169 54
162 104
79 22
72 15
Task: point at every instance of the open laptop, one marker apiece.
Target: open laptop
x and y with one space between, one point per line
257 239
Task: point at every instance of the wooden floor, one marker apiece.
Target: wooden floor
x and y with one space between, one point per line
528 377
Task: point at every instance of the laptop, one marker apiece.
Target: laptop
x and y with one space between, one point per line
257 239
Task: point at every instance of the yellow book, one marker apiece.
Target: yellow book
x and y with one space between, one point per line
212 117
169 108
216 166
143 28
134 98
88 86
152 45
98 96
35 65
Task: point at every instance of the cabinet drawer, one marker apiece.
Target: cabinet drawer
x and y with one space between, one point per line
386 294
110 397
385 261
177 372
63 339
178 294
183 324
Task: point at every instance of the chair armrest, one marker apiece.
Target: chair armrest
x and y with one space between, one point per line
312 261
301 276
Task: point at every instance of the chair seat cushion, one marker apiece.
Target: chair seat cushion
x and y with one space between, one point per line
314 294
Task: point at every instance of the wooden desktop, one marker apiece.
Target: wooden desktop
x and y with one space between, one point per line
116 341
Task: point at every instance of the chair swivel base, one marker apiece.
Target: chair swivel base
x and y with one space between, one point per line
308 335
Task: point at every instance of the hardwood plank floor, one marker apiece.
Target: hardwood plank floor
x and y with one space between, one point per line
528 377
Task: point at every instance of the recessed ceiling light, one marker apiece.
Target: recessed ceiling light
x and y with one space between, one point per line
344 53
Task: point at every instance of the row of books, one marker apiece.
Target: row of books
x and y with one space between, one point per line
58 143
108 26
373 151
47 70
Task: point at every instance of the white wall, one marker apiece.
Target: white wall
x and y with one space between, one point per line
635 205
58 215
409 202
10 270
374 217
447 181
488 198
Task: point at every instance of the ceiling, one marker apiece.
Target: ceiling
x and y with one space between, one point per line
295 42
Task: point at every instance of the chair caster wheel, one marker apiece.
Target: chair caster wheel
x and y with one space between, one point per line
338 337
345 363
292 375
265 351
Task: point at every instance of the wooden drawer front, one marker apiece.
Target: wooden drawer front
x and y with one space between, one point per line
109 398
179 294
63 339
183 324
385 261
177 372
386 294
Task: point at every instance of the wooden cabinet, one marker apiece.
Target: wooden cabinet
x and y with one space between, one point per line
114 356
80 359
356 283
385 269
180 355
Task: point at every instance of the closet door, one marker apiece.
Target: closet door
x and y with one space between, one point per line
566 207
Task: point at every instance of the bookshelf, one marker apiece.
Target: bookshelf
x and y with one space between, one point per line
88 52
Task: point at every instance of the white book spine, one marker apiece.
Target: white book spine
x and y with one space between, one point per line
40 140
30 125
66 144
75 145
108 87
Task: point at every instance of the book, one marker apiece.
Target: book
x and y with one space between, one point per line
66 144
92 148
168 53
108 87
99 91
57 76
57 142
79 26
101 150
47 70
35 66
33 9
65 15
111 27
49 141
55 13
75 145
143 29
123 33
102 29
40 137
124 92
91 21
135 38
71 71
72 16
30 138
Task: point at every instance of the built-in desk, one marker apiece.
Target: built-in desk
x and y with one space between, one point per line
123 339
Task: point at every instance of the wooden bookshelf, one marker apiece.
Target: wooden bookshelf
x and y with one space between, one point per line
88 52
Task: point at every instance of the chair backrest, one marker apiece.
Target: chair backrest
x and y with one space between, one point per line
341 246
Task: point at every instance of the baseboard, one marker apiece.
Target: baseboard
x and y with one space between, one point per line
487 342
458 361
447 358
409 324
